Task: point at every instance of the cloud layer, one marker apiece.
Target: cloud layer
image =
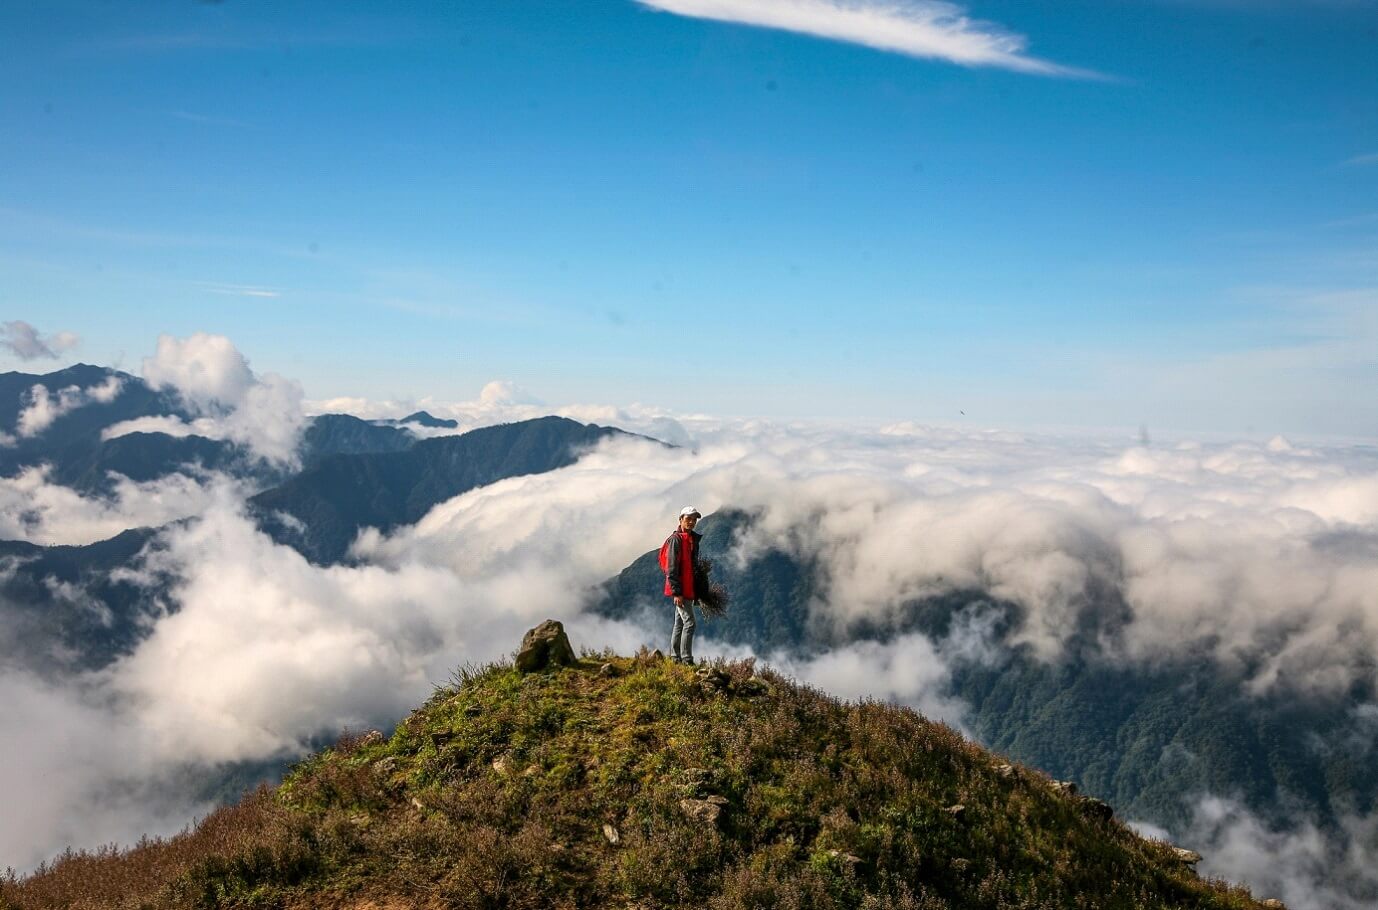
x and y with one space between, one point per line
1302 864
918 28
34 509
1265 554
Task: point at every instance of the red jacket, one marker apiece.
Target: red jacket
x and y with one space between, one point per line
682 555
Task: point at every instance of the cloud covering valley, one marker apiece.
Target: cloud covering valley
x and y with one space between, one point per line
1264 556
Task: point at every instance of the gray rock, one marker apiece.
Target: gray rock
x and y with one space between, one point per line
547 645
704 811
1005 770
1065 787
612 835
1190 857
608 670
713 679
755 687
956 811
1273 903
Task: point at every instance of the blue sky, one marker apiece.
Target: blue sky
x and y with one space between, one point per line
1107 214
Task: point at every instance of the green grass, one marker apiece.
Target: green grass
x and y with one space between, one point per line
497 791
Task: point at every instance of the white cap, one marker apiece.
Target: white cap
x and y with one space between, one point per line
689 510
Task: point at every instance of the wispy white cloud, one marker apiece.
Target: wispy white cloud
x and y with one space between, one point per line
24 341
44 407
37 510
918 28
1359 160
1308 866
239 290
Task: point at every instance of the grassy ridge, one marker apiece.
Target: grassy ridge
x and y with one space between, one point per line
580 787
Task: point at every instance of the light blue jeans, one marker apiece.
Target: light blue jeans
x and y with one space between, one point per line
682 636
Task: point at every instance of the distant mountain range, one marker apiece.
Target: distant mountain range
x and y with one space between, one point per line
65 609
422 418
321 510
72 441
72 445
1145 737
79 607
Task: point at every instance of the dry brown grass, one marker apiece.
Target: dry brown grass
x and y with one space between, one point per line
126 878
496 792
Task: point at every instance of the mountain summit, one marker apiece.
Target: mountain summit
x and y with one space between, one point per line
635 782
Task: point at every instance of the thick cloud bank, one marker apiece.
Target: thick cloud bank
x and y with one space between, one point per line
214 381
1264 556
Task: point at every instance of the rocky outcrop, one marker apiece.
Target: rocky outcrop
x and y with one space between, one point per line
545 646
707 811
1189 857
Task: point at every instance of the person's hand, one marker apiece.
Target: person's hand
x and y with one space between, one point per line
679 601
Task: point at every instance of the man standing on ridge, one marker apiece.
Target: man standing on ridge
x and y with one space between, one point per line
678 557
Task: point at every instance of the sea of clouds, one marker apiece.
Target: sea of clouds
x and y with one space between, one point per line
1264 553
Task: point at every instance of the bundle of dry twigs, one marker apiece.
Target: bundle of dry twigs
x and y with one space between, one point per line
713 599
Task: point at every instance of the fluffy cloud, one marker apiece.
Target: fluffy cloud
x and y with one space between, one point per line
1257 550
1308 868
919 28
910 670
500 392
1257 553
44 407
207 370
61 785
23 341
1262 552
38 511
214 380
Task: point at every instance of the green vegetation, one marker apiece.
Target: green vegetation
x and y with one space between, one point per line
635 782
